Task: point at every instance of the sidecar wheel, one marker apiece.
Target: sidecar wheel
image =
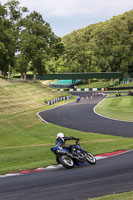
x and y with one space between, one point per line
66 161
90 158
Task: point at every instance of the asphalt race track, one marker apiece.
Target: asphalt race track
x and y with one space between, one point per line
80 116
110 175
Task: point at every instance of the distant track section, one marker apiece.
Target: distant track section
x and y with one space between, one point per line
80 116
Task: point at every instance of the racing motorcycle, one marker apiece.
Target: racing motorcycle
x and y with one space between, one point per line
65 157
78 99
130 93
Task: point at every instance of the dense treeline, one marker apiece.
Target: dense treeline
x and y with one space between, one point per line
101 47
26 43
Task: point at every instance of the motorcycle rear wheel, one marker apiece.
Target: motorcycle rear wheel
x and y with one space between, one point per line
90 158
66 161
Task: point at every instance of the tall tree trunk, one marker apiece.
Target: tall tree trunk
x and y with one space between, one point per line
9 72
34 79
22 76
25 77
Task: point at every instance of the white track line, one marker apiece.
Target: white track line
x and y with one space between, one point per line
94 110
50 109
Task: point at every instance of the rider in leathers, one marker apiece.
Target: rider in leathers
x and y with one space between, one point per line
61 140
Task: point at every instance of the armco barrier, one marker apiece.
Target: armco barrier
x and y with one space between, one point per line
50 102
95 89
83 89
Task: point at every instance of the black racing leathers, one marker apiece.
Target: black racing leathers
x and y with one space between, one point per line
61 141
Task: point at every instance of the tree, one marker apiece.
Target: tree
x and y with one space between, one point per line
38 43
105 47
22 64
10 14
30 37
7 41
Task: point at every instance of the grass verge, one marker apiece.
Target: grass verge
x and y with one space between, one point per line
120 108
25 141
95 85
122 196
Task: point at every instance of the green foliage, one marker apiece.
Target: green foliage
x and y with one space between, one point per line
102 47
10 15
38 43
7 40
26 41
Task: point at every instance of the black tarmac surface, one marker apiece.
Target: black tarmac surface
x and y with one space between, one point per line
81 116
108 176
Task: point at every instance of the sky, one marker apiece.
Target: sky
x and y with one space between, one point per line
65 16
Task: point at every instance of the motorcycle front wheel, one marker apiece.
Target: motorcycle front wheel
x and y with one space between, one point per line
90 158
66 161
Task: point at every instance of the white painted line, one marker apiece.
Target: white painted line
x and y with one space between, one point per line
54 166
42 118
100 157
51 167
41 168
51 109
10 175
94 110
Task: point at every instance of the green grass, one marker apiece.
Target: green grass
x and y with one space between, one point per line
120 108
25 141
22 97
125 85
105 84
95 85
122 196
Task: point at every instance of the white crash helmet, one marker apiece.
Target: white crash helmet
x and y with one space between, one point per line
60 135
